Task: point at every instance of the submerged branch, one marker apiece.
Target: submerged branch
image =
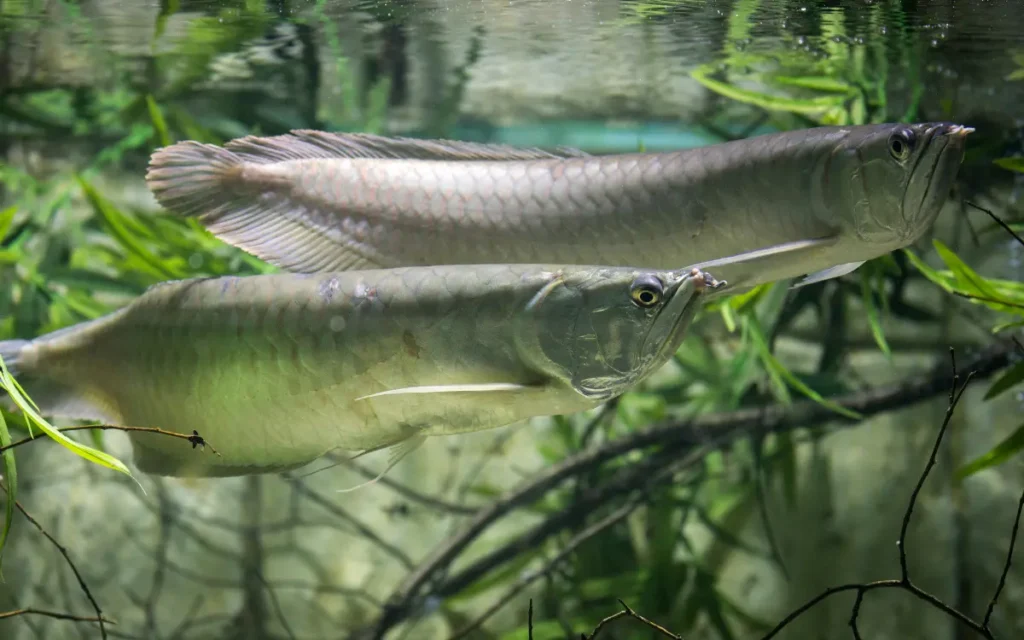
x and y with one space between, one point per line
98 618
716 430
195 439
904 582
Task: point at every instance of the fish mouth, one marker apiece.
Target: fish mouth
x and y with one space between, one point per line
921 205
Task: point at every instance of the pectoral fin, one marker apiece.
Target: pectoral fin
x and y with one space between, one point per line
828 274
762 264
453 388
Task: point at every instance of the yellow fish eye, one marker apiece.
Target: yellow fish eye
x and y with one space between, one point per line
901 143
646 291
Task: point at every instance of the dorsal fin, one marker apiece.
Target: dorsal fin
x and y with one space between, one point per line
304 144
259 214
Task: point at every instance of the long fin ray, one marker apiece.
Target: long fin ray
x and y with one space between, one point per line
397 453
452 388
828 274
738 269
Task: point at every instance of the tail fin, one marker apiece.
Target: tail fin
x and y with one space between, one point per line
10 351
188 178
55 399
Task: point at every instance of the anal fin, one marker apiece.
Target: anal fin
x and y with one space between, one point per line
396 453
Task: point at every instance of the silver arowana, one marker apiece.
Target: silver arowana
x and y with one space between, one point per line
276 370
816 202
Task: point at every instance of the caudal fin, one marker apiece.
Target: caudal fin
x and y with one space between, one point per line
10 351
53 398
189 178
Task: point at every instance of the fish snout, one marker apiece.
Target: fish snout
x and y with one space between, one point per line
949 140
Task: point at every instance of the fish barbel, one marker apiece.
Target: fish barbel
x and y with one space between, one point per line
816 202
276 370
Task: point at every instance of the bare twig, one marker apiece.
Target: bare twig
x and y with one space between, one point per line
363 529
195 439
998 221
54 614
526 580
1006 566
74 569
529 621
905 583
629 613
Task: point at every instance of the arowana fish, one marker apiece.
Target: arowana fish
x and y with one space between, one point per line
276 370
816 202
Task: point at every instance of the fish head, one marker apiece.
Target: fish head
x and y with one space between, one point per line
602 330
892 180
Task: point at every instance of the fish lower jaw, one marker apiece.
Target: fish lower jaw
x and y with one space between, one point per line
601 392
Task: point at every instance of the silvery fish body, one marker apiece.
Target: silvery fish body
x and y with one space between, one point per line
816 202
276 370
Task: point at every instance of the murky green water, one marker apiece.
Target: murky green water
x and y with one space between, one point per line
88 89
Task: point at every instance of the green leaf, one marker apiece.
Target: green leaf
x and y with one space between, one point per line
1009 379
1008 325
115 223
10 482
775 368
817 83
942 281
19 397
1013 164
997 455
868 296
6 218
167 9
807 106
159 124
964 274
786 458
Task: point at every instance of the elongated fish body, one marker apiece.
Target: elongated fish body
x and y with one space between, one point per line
818 201
276 370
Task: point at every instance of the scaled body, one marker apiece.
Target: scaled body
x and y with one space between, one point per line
276 370
817 201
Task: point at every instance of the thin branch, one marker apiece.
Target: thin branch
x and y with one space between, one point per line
1006 567
629 613
528 579
905 583
715 430
195 439
74 569
54 614
363 529
529 621
998 221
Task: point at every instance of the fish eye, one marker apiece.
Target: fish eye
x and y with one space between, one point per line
901 143
646 291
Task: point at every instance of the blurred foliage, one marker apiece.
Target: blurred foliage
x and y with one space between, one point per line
72 250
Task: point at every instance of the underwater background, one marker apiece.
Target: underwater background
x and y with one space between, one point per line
772 459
